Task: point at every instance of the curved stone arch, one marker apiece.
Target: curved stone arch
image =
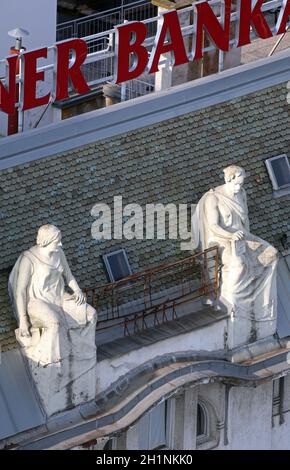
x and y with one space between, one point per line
118 407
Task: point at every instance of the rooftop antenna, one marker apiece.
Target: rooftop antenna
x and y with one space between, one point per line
16 120
18 34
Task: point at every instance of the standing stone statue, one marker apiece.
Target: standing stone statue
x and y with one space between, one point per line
56 330
248 263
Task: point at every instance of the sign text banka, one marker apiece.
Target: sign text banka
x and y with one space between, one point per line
132 56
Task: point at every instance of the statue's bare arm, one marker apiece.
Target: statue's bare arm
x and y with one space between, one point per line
25 273
71 281
212 212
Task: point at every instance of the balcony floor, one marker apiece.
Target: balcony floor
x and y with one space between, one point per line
204 317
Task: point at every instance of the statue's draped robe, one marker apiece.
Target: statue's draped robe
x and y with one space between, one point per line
248 274
61 353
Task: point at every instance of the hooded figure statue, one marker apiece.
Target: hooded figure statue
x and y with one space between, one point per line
56 330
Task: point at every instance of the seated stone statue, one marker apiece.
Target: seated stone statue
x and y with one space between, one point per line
248 263
56 330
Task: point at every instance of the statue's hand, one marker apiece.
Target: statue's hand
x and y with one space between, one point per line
24 328
79 297
239 235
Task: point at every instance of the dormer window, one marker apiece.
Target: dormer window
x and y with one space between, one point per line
279 172
117 265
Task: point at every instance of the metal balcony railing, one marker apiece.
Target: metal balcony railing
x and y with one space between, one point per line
156 295
129 10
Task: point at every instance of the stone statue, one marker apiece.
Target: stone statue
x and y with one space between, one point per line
248 263
56 330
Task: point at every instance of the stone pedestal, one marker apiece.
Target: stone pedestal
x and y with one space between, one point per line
248 328
60 385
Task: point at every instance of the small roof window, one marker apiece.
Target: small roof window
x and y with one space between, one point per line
279 171
117 265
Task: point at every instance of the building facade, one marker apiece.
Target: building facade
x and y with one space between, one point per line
174 382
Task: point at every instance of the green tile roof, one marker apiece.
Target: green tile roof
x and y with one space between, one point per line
174 161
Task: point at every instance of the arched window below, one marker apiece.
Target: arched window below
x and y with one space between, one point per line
207 433
108 445
202 422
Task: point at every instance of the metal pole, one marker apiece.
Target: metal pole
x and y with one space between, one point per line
216 274
278 42
122 11
221 53
21 92
123 92
123 85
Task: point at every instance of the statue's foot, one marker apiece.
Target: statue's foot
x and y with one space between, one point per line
217 307
211 303
208 301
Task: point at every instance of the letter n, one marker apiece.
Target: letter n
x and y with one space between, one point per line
283 17
206 19
170 25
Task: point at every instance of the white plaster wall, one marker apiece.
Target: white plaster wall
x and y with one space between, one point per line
250 418
281 433
209 338
286 404
39 18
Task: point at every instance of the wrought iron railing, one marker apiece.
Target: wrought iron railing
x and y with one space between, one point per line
156 295
129 10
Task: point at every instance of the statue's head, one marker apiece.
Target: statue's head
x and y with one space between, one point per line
234 178
49 236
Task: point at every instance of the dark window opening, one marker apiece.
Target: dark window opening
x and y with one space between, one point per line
108 445
117 265
201 425
279 171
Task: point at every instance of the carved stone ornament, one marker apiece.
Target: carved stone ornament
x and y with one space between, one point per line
248 263
56 330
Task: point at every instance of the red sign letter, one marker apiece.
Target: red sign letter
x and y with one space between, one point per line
8 98
205 18
126 47
64 72
31 77
283 17
253 17
170 24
